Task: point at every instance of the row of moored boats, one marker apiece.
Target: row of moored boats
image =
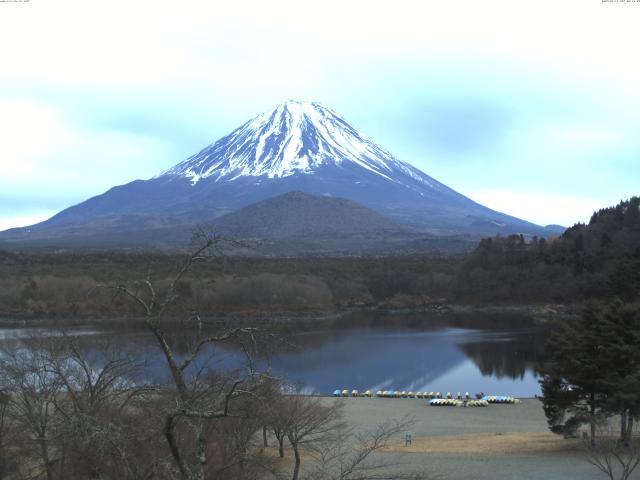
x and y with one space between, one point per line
435 398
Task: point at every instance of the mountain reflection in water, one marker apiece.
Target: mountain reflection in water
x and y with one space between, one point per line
397 356
445 359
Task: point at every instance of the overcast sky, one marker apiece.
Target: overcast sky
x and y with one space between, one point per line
529 107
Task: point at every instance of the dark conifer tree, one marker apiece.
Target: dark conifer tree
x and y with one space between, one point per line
593 370
573 383
620 330
624 283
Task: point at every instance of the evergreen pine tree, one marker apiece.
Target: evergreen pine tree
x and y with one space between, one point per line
593 370
621 334
573 378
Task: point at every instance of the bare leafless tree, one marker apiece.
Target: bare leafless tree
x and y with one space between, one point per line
308 421
24 373
269 394
237 444
276 418
616 458
6 463
103 375
199 397
72 409
99 384
348 454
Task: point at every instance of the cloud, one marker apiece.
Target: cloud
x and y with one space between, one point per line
48 163
27 131
541 207
456 125
11 221
484 96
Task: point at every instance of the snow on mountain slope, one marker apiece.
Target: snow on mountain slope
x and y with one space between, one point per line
294 138
298 146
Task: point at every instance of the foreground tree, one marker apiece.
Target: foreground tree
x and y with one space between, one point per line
348 454
309 422
276 416
6 463
198 396
593 370
235 443
621 334
100 389
72 413
614 458
31 408
572 382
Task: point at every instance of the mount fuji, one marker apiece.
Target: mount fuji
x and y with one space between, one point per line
298 146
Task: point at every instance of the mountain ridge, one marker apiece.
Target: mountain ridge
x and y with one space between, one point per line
297 146
295 137
299 214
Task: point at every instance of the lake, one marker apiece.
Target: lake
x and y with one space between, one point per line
398 354
445 359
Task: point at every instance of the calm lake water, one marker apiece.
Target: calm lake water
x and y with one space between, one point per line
445 359
406 355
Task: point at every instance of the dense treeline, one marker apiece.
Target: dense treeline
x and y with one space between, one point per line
592 374
570 268
502 270
62 284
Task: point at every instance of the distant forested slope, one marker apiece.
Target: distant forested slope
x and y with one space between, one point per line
571 268
593 261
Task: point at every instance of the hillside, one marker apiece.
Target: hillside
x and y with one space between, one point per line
575 266
297 146
299 214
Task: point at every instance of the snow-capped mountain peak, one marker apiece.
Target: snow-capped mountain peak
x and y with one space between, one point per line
293 138
296 147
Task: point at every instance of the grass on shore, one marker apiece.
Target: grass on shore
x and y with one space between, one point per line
513 443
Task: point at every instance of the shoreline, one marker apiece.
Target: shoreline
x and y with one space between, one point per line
451 442
489 315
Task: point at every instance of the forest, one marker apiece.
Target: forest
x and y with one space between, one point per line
509 270
568 269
